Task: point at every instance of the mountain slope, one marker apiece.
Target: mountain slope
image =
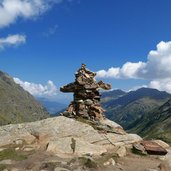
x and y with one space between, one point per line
129 107
111 95
17 105
155 124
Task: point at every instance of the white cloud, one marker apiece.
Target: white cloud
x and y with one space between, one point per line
157 68
128 70
137 87
49 90
12 40
162 84
159 62
38 89
11 10
112 72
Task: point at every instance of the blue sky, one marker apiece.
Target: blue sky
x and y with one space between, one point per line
52 38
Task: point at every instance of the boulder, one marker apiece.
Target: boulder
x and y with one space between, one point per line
153 148
61 169
148 169
162 144
168 158
15 169
30 147
7 162
111 161
2 149
137 147
121 152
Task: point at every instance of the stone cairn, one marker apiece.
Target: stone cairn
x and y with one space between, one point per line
86 103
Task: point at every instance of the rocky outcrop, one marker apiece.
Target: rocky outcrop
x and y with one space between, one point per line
62 143
62 135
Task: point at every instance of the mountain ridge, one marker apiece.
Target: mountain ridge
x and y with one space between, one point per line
130 106
16 104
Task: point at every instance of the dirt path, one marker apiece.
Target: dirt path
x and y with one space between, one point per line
139 163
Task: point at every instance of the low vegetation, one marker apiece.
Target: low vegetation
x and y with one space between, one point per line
16 104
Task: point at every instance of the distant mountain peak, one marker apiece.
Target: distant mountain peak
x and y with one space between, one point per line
128 107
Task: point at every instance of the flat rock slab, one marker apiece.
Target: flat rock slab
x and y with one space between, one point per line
153 148
62 135
73 146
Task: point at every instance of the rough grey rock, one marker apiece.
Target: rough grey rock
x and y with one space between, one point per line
162 143
110 123
139 148
6 162
18 142
2 149
168 158
58 132
81 147
148 169
111 161
119 140
61 169
15 169
121 152
152 147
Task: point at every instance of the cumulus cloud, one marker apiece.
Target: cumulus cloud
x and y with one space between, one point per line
161 84
128 70
49 90
38 89
12 40
156 69
11 10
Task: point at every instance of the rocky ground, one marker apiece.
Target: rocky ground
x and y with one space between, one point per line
63 144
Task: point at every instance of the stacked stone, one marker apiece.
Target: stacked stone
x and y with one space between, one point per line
86 101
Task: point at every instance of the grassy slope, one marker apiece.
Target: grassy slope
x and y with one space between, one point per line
127 108
17 105
155 124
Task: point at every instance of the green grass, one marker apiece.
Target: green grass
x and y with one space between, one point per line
2 167
11 154
17 105
134 151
